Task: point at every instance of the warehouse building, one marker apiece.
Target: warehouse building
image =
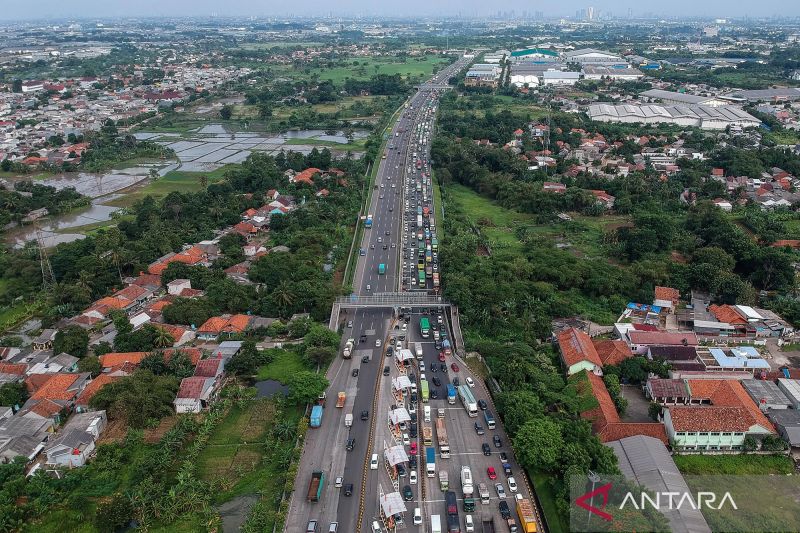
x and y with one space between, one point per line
532 72
557 77
786 94
621 73
672 97
592 56
766 394
482 75
705 117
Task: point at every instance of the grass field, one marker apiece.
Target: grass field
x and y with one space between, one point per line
555 522
734 464
368 67
173 181
284 364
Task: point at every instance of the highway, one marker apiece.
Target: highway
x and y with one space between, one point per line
400 189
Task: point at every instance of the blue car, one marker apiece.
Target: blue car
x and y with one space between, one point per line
362 251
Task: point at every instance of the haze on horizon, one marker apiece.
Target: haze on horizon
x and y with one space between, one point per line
81 9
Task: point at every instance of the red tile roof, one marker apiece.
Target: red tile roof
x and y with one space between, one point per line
194 354
117 358
619 431
58 387
17 369
93 387
668 293
46 408
208 368
576 346
662 338
791 243
731 408
307 176
612 352
727 314
221 324
192 387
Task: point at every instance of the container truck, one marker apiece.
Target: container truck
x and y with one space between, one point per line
348 348
316 416
430 461
466 481
419 221
427 435
348 420
468 400
441 436
436 524
418 345
526 517
451 394
316 485
340 400
453 524
444 480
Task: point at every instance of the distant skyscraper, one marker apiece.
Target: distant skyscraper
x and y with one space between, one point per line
590 13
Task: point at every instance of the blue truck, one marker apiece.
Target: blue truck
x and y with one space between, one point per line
316 416
451 393
430 461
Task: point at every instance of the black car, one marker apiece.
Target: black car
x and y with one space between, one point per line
486 449
434 368
365 359
482 405
479 429
401 470
351 444
443 368
362 338
436 380
355 372
503 457
434 395
497 442
408 494
413 397
413 417
412 462
386 371
505 512
413 430
348 489
456 381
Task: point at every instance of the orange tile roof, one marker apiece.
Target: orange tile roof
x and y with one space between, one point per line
731 408
576 346
112 302
34 382
213 325
131 292
93 387
13 368
614 432
791 243
307 175
57 388
176 332
160 304
237 324
727 314
605 413
612 352
220 324
117 358
46 408
194 354
663 338
668 293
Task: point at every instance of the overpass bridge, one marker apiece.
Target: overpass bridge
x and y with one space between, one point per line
386 300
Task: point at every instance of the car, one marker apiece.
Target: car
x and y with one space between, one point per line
413 417
355 372
437 381
501 492
393 244
371 246
406 440
498 443
505 511
362 252
487 450
364 415
469 524
376 527
338 482
373 462
413 449
503 457
412 461
482 405
443 368
377 343
456 381
362 338
348 489
408 494
441 356
417 516
454 367
365 359
385 246
381 197
434 368
512 484
491 472
386 371
469 381
351 444
401 470
388 232
412 477
311 527
479 429
434 394
380 239
369 287
422 366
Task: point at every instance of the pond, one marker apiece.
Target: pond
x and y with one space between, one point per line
96 185
270 387
52 229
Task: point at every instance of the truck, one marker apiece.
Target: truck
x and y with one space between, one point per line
348 348
423 384
382 268
451 504
526 517
368 222
340 400
418 346
425 212
435 280
316 485
487 524
441 436
430 461
436 524
419 221
468 400
466 481
424 325
483 492
348 420
427 435
316 416
489 418
444 480
451 394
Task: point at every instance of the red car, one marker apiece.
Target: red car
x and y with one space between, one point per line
413 449
454 367
441 357
491 472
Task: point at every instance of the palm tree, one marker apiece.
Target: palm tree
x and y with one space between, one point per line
284 430
284 297
163 339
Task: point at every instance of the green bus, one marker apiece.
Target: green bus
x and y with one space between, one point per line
424 323
434 244
422 277
426 394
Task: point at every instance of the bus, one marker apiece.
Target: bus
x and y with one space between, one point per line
424 323
422 277
382 269
435 280
434 244
425 390
368 222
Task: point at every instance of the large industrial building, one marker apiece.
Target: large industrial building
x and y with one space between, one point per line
482 75
705 117
592 56
615 72
676 98
532 72
785 94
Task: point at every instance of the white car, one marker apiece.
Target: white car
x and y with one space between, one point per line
377 343
469 524
421 364
338 482
512 484
373 465
406 440
501 492
417 516
413 477
470 381
376 527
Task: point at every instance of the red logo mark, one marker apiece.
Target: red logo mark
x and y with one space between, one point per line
603 490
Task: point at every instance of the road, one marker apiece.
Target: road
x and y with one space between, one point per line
400 190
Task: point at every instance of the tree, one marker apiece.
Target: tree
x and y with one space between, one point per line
16 86
306 386
12 394
90 364
654 410
320 336
518 407
539 444
226 112
114 514
246 361
320 355
73 340
137 399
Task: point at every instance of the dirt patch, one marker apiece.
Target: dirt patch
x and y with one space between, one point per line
483 250
152 436
114 433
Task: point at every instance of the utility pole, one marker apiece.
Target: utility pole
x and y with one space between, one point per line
48 278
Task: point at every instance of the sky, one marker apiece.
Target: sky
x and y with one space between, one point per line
25 9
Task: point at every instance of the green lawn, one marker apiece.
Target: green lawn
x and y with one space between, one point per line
734 464
412 67
284 364
555 521
176 180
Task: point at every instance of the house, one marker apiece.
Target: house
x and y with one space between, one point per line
75 443
24 437
176 286
195 394
115 362
667 297
45 340
719 416
56 396
640 341
577 351
191 256
210 368
306 176
82 402
554 186
223 325
604 199
612 351
53 364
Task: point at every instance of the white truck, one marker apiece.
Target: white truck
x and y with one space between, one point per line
418 350
348 348
466 481
436 524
